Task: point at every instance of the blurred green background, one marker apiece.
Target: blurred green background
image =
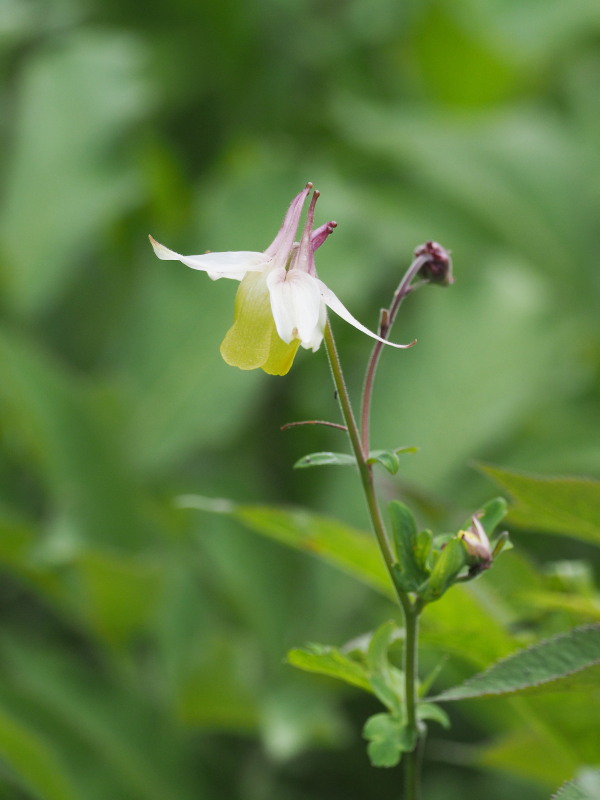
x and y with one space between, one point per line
142 646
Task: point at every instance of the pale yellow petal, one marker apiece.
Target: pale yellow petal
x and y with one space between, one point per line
252 341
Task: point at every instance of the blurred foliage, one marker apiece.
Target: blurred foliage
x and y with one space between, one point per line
141 645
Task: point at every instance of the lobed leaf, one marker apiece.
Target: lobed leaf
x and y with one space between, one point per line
388 739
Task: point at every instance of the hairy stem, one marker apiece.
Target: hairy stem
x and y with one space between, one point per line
361 455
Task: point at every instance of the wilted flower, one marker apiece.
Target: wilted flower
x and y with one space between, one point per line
438 267
280 304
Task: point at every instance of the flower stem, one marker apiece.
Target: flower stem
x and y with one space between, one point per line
361 455
387 320
410 610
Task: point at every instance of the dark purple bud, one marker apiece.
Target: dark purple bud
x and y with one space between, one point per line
438 265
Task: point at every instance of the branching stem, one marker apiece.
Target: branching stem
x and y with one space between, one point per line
359 440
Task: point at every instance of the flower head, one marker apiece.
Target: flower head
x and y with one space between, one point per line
280 304
477 544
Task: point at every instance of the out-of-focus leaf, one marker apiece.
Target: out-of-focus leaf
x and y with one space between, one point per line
75 449
64 181
325 459
388 739
585 607
166 351
330 661
119 594
585 787
340 545
568 506
100 724
432 712
573 656
469 623
34 760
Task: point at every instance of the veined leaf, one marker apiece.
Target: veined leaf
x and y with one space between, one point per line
337 544
569 660
568 506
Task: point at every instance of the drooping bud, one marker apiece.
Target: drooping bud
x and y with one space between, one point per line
438 267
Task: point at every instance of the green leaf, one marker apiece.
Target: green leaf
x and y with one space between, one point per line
351 550
385 679
549 665
450 562
388 739
422 549
34 760
585 787
568 506
389 458
377 658
325 459
409 570
433 712
76 102
491 514
330 661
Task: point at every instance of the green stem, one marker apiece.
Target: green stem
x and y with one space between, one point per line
413 758
364 469
411 610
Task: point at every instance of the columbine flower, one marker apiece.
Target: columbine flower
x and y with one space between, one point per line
280 304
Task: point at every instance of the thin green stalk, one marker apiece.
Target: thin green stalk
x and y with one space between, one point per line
361 457
410 610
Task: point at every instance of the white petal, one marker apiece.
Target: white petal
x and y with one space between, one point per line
296 305
340 309
315 342
218 265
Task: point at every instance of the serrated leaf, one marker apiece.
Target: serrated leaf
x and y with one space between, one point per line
585 787
388 739
450 562
330 661
540 667
349 549
325 459
433 712
410 574
569 506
